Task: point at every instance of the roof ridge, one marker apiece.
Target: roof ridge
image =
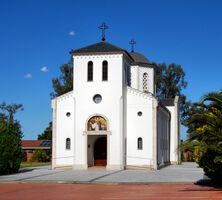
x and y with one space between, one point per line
139 58
98 47
114 45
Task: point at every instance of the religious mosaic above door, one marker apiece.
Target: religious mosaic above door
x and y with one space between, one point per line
97 123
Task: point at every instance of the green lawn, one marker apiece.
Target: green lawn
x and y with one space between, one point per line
34 164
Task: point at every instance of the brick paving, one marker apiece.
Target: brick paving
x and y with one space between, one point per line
48 191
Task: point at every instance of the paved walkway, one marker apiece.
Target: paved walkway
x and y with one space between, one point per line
52 191
185 173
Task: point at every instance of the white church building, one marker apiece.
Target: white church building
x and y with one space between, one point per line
112 118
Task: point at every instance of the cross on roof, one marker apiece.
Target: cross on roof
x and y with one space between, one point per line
103 27
132 42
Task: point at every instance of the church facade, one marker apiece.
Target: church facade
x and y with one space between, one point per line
112 117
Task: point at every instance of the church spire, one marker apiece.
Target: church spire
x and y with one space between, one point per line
132 42
103 27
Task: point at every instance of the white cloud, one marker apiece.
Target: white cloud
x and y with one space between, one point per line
72 33
28 76
44 69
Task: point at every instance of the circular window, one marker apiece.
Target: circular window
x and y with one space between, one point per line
97 98
139 113
68 114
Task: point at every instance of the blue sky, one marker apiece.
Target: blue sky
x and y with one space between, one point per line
37 35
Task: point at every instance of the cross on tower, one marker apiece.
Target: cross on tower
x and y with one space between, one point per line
103 27
132 42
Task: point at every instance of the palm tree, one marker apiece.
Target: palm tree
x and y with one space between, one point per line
205 126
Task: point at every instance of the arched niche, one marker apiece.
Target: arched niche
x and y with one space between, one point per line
97 123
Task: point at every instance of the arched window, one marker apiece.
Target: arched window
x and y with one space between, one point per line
140 143
145 82
90 71
68 143
105 71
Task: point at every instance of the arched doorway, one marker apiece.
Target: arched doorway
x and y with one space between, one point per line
100 152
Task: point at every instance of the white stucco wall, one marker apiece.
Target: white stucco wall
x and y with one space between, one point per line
111 106
174 132
64 128
134 77
139 126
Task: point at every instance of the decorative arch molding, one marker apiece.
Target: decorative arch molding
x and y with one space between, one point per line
97 122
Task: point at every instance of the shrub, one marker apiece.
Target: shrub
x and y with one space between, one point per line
211 163
41 155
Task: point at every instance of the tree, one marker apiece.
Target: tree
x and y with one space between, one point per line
63 83
205 126
170 80
10 139
47 134
10 110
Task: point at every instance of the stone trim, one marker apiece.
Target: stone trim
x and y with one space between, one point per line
139 167
97 132
114 167
80 167
63 167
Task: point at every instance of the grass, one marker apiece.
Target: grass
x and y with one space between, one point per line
34 164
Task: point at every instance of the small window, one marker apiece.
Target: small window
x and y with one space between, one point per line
68 114
139 113
145 82
68 143
140 143
105 71
97 98
90 71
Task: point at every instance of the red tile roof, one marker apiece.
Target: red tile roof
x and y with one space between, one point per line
34 144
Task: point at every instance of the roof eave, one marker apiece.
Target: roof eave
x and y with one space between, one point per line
95 53
100 53
151 65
